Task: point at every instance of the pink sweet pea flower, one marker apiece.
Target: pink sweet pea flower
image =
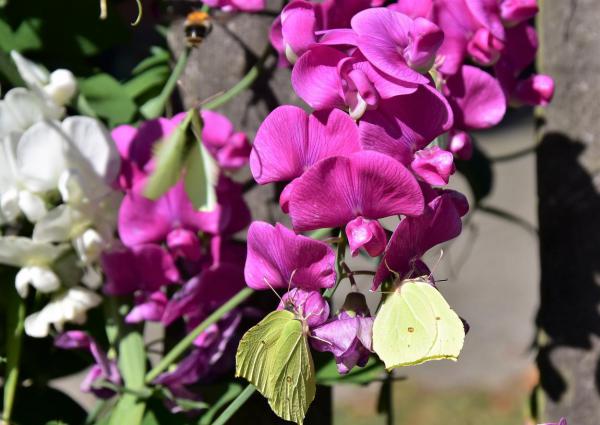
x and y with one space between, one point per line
398 127
367 234
279 258
484 48
348 336
326 78
461 145
476 98
413 8
184 243
289 141
103 370
434 165
535 90
230 148
397 44
143 267
309 305
516 11
338 189
237 5
142 220
414 236
147 307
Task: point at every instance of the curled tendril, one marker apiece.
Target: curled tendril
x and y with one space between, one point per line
139 16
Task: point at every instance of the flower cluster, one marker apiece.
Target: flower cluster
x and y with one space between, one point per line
57 199
394 91
180 264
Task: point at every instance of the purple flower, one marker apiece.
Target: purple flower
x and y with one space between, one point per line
230 148
148 307
460 144
203 293
484 48
309 305
399 128
397 44
142 220
290 141
367 234
434 165
326 78
143 267
476 98
277 257
237 5
348 336
366 184
185 244
516 11
414 236
104 370
535 90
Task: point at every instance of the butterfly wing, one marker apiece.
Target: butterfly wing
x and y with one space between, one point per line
450 329
404 330
415 325
257 349
293 381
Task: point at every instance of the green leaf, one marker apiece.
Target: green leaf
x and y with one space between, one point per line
478 172
328 374
170 157
132 365
153 78
108 99
159 56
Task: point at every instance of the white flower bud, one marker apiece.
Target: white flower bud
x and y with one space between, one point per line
9 205
41 278
62 86
89 246
32 205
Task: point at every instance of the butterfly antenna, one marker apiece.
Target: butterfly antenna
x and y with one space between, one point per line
437 263
291 278
272 289
387 266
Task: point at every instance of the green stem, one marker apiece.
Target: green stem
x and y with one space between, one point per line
186 342
155 107
243 84
320 233
390 400
340 256
14 340
235 405
95 412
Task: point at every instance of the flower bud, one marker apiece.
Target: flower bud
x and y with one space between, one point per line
309 305
514 12
62 86
484 48
425 40
41 278
461 145
535 90
367 234
89 246
355 305
434 165
184 243
32 206
9 205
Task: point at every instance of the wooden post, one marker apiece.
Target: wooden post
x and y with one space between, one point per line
568 167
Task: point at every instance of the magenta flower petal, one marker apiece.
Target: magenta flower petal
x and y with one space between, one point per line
413 8
339 13
309 305
339 189
521 47
383 35
289 141
476 98
461 145
425 40
298 26
143 267
316 80
414 236
338 37
399 128
535 90
434 165
148 307
73 340
487 12
276 254
367 234
185 244
484 48
517 11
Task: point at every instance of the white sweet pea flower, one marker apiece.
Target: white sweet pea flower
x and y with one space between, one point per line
59 86
69 306
21 108
89 246
34 259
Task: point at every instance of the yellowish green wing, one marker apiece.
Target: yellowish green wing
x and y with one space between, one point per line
415 325
451 331
293 380
257 349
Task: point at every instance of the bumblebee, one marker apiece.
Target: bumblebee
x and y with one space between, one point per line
197 26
